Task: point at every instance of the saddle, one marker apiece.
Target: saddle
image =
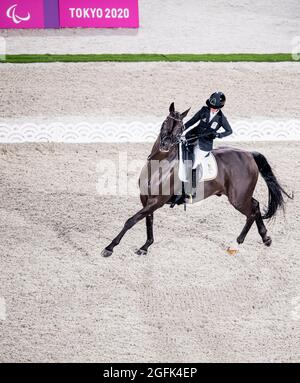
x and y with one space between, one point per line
206 171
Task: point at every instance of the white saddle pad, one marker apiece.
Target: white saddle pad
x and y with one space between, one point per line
209 168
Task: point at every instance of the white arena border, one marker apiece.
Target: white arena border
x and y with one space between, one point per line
137 131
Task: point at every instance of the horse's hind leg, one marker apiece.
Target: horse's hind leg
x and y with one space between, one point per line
253 213
250 209
150 239
262 228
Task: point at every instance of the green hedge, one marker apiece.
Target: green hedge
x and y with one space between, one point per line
234 57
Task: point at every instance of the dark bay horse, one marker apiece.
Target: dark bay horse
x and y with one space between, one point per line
237 177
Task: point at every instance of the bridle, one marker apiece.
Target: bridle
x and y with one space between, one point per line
174 118
176 142
178 135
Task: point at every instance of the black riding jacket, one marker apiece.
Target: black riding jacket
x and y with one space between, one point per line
205 127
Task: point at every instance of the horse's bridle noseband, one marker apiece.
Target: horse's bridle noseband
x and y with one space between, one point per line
176 142
174 118
178 135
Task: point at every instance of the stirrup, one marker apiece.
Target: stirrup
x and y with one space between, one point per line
191 197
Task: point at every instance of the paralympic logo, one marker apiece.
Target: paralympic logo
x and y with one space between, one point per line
11 13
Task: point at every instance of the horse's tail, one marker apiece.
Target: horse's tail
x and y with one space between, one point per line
276 191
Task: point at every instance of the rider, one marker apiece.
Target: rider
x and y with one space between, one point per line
211 120
198 140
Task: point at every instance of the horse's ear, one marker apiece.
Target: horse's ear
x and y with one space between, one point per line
172 108
184 114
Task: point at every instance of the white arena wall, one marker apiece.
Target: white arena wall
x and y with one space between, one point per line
136 131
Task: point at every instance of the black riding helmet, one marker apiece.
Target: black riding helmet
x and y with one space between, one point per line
216 100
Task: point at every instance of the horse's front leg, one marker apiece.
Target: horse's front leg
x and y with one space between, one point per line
151 206
150 239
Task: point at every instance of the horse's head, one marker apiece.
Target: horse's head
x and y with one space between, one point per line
171 129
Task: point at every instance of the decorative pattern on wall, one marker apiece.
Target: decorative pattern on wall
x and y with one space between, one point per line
83 132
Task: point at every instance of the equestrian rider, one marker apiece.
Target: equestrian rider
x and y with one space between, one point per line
201 136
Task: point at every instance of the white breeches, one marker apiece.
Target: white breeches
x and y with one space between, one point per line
199 155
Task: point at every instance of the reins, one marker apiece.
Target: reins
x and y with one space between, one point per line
178 141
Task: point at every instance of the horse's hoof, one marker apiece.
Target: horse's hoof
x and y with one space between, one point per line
240 240
141 252
106 253
268 241
232 250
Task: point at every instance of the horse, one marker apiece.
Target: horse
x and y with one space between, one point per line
238 172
